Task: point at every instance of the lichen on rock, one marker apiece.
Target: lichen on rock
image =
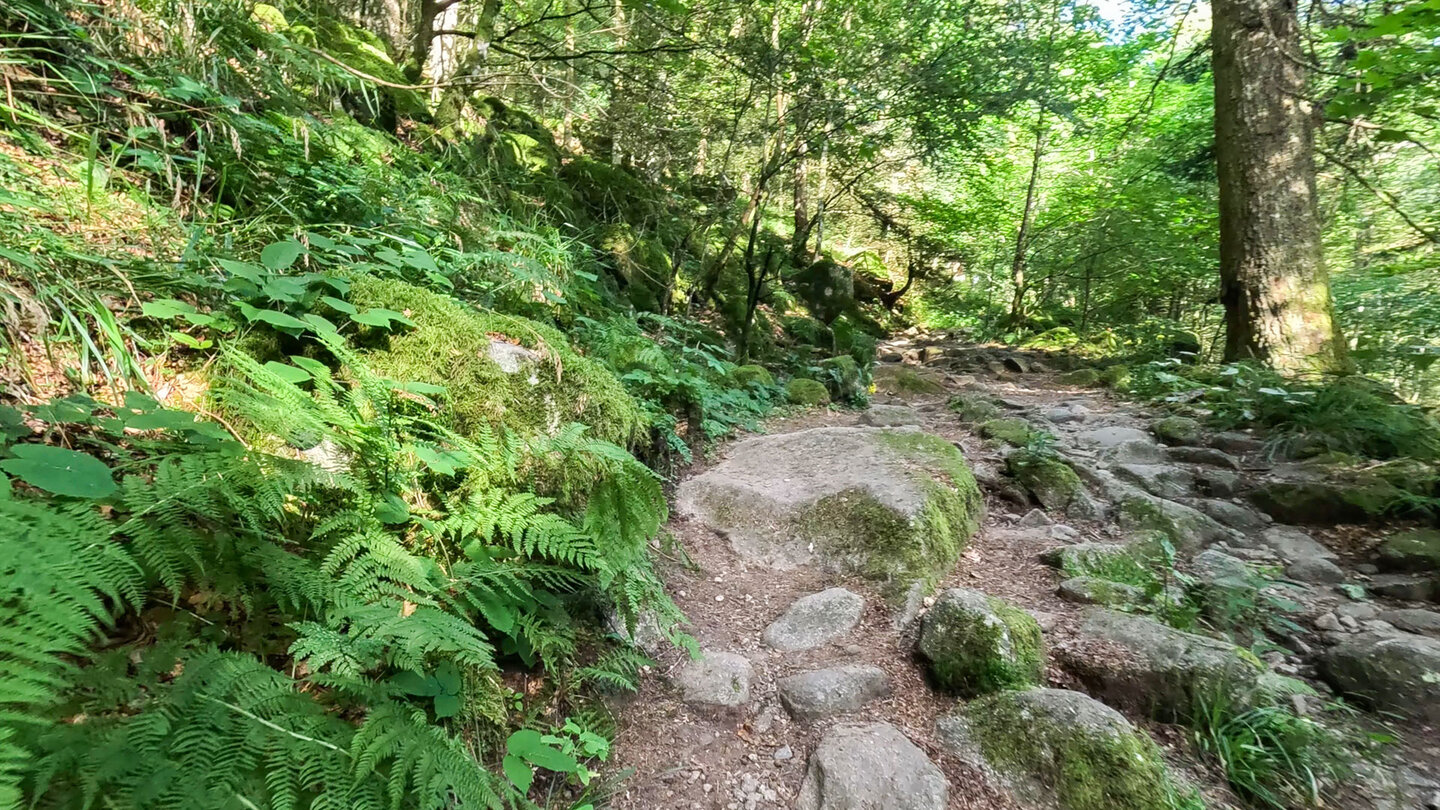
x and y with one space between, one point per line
976 644
1009 430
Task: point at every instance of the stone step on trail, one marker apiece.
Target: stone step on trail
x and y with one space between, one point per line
823 693
871 766
815 620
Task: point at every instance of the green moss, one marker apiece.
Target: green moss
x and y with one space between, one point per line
977 644
1053 482
1116 376
1053 340
800 391
1083 377
1417 550
1177 430
893 378
1115 768
897 550
973 407
845 381
451 346
1010 430
752 375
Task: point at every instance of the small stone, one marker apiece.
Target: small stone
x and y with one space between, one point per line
1348 622
1063 533
716 679
825 692
783 753
1329 622
1177 430
1360 611
815 620
1034 518
1315 569
889 416
1367 569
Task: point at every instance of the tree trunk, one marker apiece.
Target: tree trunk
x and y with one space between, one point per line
1273 281
1027 217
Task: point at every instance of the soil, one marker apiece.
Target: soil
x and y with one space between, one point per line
681 756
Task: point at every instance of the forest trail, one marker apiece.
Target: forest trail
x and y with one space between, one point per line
717 734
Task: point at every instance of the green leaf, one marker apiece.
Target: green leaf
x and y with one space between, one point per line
392 510
275 318
280 255
529 745
316 368
413 683
447 705
339 305
191 342
518 773
381 318
287 372
61 471
443 462
448 677
166 308
245 270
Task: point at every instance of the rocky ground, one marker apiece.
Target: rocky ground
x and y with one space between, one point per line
1037 673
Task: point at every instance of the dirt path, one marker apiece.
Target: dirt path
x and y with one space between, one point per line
755 755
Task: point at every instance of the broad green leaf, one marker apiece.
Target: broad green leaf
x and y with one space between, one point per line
59 470
275 318
339 305
191 342
166 308
381 317
518 772
413 683
287 372
447 705
280 255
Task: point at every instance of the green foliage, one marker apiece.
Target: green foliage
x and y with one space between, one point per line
801 391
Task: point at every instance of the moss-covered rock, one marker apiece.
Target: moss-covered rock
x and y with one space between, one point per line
1010 430
1096 591
894 506
497 370
828 289
844 379
1059 339
1116 376
752 375
973 407
976 644
1062 749
1187 529
1046 476
801 391
1177 430
902 380
1416 551
1366 494
1083 377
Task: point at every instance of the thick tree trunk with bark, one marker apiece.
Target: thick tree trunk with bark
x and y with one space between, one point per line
1273 281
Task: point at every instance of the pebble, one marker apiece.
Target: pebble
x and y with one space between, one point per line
783 753
1349 623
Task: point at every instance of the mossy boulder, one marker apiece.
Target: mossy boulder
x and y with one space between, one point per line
752 375
1350 494
801 391
1009 430
902 380
1058 339
1415 551
1116 376
497 370
973 407
1082 377
844 379
975 644
1177 430
1397 672
1187 529
894 506
1047 477
1096 591
827 288
1055 748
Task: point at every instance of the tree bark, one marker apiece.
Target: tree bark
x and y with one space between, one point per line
1027 217
1273 281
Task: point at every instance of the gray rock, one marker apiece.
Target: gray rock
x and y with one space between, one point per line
1409 587
1158 668
1187 528
1084 556
1414 620
1213 566
1067 413
1391 672
825 692
783 753
855 500
716 679
1203 455
1315 569
1360 611
1177 430
1157 479
815 620
889 416
1063 533
1329 622
1292 544
1236 443
1108 437
511 357
870 767
1218 483
1233 515
1034 518
646 635
1044 734
1097 591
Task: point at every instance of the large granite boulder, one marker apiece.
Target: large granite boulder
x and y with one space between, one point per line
976 643
1139 663
868 767
1060 750
894 506
1397 672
